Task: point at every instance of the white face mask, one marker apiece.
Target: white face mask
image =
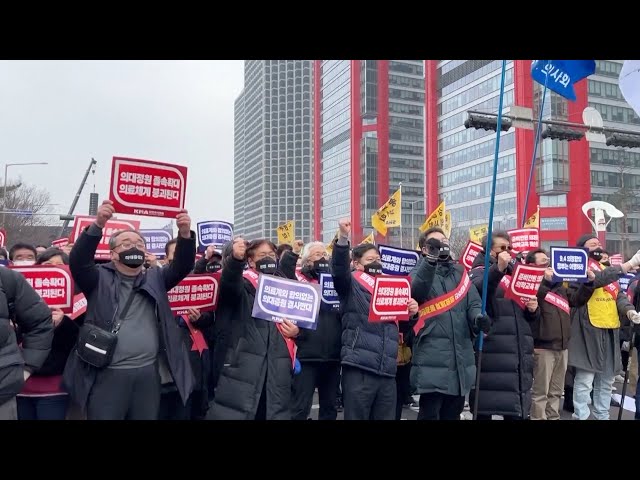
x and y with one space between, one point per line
24 263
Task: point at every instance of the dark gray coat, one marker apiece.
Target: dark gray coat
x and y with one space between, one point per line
257 359
586 345
99 285
33 318
443 357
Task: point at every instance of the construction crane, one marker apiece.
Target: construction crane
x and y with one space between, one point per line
91 168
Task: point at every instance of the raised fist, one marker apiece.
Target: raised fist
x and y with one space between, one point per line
239 248
105 212
345 227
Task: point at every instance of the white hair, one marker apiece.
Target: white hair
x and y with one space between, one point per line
307 249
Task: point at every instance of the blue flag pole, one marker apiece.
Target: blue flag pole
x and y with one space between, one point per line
535 152
485 279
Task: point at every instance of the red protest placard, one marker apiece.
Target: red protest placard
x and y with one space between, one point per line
616 259
102 252
526 280
145 187
61 242
524 239
469 254
54 284
195 291
79 306
3 237
390 299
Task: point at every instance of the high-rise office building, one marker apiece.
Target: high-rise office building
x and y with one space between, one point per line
369 138
273 149
615 171
460 160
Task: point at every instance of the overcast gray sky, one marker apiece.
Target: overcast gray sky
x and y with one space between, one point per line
65 112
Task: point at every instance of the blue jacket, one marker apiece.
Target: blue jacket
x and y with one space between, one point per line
367 345
99 285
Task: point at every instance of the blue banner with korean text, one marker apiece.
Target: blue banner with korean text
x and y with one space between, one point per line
397 261
279 298
569 264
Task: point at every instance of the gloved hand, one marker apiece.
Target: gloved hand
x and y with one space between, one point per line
634 316
432 250
635 260
483 323
626 346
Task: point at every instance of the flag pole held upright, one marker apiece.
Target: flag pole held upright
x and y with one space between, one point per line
485 279
535 153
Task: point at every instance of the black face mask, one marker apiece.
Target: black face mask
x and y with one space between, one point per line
373 268
318 267
132 258
213 267
267 266
445 253
606 264
596 254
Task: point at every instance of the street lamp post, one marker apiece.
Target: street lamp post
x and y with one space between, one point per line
4 192
413 231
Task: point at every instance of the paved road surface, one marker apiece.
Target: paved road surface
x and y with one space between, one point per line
409 414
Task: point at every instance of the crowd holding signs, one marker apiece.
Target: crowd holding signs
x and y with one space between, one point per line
317 316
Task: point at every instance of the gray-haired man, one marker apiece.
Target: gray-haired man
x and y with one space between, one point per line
149 343
318 350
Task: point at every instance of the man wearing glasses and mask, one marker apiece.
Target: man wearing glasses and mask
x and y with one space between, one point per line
506 377
443 364
318 350
129 333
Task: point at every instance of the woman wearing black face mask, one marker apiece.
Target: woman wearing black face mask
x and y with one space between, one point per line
369 349
318 350
211 261
256 380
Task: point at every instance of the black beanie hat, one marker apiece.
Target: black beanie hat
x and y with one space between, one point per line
585 238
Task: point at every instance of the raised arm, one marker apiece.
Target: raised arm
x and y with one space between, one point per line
422 277
81 259
287 265
231 281
340 262
185 254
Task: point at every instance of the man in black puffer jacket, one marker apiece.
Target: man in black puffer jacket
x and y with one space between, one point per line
33 318
369 350
506 375
318 350
443 364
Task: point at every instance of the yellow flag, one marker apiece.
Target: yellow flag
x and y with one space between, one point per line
389 215
330 246
534 220
368 239
478 232
286 233
436 219
447 224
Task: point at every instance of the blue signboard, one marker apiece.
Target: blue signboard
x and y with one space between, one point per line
214 232
156 240
397 261
279 298
329 296
625 280
569 264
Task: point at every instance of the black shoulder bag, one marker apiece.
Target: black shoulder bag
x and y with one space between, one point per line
97 345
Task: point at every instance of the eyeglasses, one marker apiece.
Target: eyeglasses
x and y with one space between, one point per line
504 248
129 245
260 256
